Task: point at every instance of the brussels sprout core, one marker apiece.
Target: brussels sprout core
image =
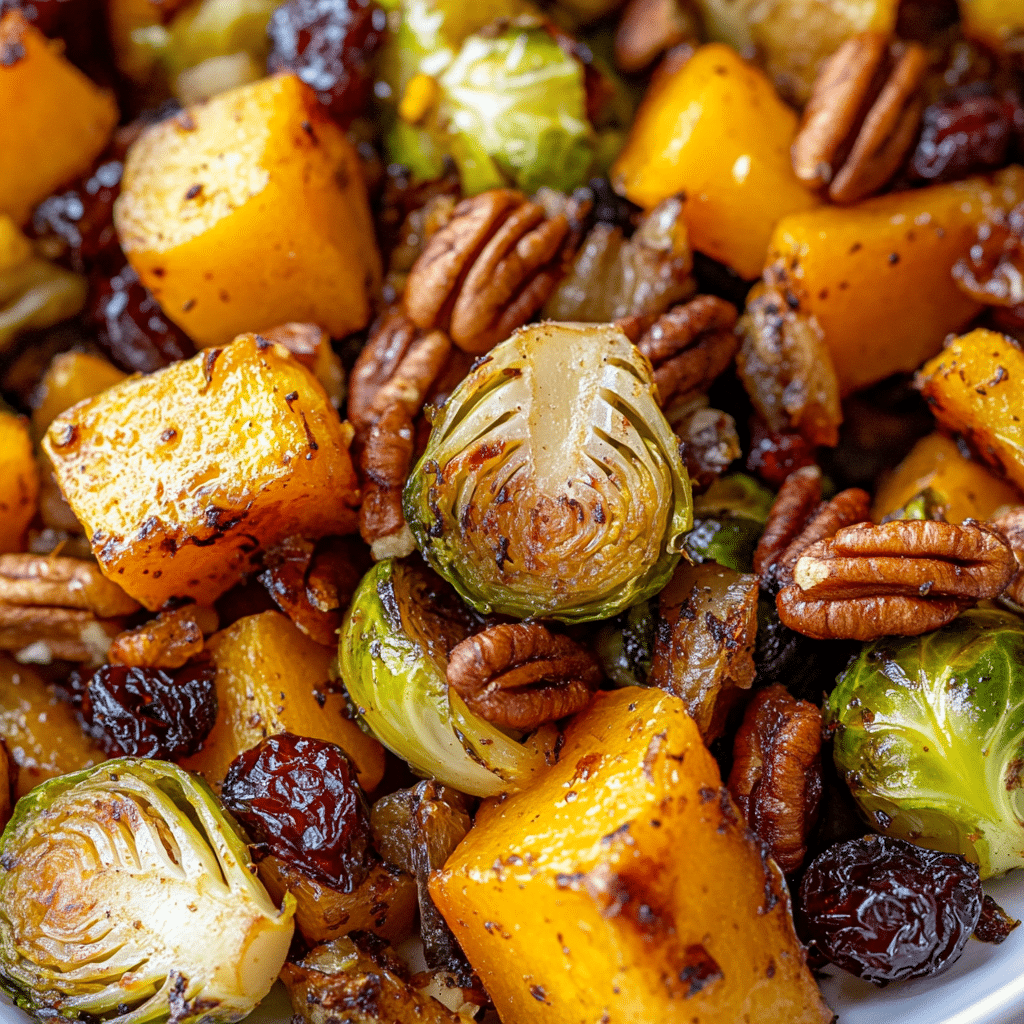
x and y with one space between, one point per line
127 895
552 485
930 737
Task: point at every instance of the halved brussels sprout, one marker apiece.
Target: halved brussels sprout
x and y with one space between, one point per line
552 485
127 895
393 657
930 737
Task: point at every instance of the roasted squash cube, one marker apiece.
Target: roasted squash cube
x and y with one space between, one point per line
180 476
624 886
55 120
250 211
19 481
271 678
965 487
876 276
975 388
716 131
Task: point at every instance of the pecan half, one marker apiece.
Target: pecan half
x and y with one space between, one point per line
901 578
168 641
1010 526
397 364
690 345
798 519
520 675
776 772
488 270
41 634
647 28
61 582
385 463
862 117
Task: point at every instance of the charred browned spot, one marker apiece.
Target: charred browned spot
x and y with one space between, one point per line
194 191
585 768
699 970
210 357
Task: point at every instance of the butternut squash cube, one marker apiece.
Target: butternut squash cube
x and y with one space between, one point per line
19 481
180 476
55 120
999 24
877 276
70 378
716 131
624 886
271 678
249 211
967 489
975 387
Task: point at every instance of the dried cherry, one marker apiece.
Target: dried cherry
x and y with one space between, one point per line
299 800
995 924
773 456
328 44
965 132
131 326
886 910
150 712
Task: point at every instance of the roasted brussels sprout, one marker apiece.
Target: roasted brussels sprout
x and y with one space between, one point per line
551 484
929 734
392 657
127 895
728 520
625 645
510 109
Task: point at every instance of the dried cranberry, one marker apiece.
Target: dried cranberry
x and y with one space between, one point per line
83 215
773 456
995 924
328 44
299 799
885 910
149 712
131 326
968 131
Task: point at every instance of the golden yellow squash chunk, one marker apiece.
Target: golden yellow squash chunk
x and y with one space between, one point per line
250 211
966 488
624 886
70 378
975 387
19 481
716 131
877 276
999 24
55 120
180 476
271 678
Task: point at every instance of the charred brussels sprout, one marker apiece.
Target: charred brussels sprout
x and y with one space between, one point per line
393 657
728 520
552 485
929 734
127 895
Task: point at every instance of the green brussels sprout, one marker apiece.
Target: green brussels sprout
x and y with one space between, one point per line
552 485
929 735
510 109
728 520
926 504
625 645
126 894
393 659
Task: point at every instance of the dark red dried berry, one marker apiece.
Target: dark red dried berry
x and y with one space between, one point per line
886 910
773 456
131 326
995 924
150 712
329 45
968 131
298 799
82 215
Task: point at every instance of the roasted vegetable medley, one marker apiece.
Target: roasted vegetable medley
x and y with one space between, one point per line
510 510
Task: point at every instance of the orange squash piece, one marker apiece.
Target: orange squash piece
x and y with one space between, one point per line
55 120
70 378
877 276
716 131
624 886
19 481
178 477
271 678
250 211
975 387
967 489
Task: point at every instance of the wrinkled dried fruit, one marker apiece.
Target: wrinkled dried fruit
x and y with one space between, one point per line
298 798
328 44
995 924
885 910
149 712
